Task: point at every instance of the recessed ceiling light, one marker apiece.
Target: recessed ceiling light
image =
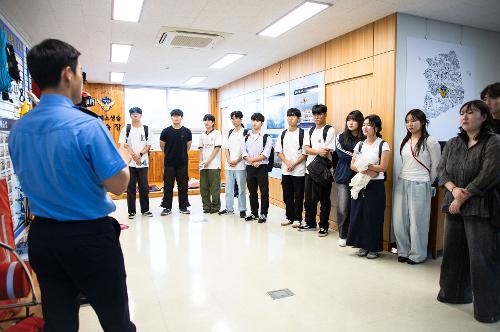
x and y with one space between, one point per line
226 60
195 80
127 10
298 15
120 52
116 77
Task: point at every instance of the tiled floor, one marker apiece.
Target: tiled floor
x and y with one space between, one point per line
210 273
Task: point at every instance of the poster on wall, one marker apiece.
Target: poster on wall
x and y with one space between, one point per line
305 92
439 79
276 101
253 103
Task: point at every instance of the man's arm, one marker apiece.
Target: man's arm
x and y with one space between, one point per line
118 183
162 145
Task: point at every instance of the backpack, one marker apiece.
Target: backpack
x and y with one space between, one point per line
270 165
129 126
379 154
301 138
335 157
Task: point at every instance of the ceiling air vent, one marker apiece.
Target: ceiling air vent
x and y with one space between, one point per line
184 38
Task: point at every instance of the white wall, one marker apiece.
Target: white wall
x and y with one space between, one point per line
487 67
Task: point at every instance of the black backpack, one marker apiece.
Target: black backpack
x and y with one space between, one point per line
301 138
379 154
129 126
270 165
335 157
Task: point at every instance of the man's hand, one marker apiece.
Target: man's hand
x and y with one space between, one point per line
255 164
233 163
323 152
455 207
460 194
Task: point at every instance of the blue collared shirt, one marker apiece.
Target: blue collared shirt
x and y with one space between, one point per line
254 146
61 157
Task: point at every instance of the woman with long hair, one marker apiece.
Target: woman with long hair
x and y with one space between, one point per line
367 211
469 170
344 146
420 154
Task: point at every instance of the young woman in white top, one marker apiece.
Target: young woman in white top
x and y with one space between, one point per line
420 154
367 211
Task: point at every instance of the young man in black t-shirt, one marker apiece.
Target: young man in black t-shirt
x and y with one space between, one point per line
175 142
491 96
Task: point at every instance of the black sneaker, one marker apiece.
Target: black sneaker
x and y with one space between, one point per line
262 218
306 227
131 215
222 212
165 212
147 214
251 217
243 214
184 211
206 211
402 259
323 232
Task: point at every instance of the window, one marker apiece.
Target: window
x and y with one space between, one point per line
156 104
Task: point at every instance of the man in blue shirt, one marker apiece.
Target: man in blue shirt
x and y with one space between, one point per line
66 161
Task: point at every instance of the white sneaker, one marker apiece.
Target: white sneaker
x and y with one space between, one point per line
296 224
342 242
286 223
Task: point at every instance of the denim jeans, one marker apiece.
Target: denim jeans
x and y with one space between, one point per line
241 179
411 214
470 270
343 209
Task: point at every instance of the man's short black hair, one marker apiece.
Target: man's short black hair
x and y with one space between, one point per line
319 109
177 112
135 110
293 112
236 114
257 117
494 90
47 59
209 117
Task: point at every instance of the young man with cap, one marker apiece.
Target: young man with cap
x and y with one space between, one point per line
235 166
293 168
210 145
175 142
256 150
319 141
135 138
66 162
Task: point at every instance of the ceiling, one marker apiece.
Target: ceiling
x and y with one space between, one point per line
87 25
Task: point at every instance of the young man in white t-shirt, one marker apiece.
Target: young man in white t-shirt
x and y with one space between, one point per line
319 140
210 145
293 168
136 139
235 166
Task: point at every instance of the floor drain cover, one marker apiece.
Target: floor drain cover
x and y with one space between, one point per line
280 293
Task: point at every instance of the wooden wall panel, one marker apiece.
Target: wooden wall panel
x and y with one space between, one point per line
308 62
155 173
254 82
348 71
237 88
353 46
384 35
115 117
277 73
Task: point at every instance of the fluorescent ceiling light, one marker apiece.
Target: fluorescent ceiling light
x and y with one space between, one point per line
116 77
226 60
195 80
127 10
120 52
303 12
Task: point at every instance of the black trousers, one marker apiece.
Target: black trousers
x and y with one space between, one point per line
74 257
315 193
180 175
138 176
470 269
293 196
257 178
